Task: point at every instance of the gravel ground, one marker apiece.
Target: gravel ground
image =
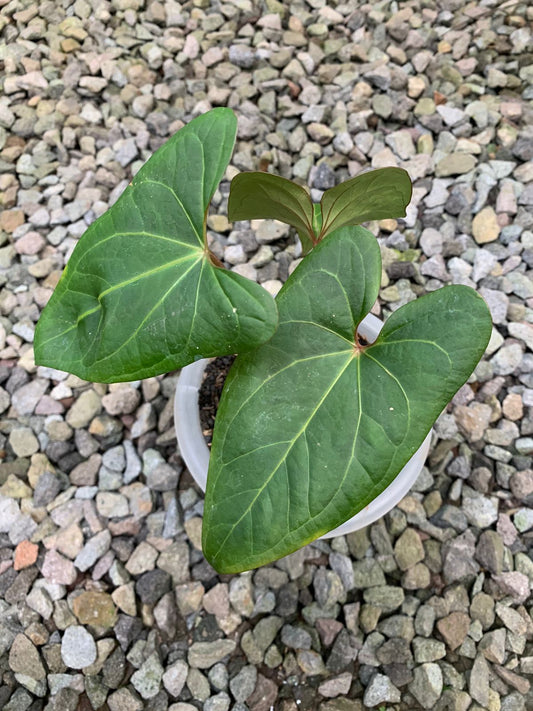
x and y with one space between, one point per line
105 599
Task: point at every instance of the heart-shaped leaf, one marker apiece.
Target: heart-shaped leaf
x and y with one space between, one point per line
313 425
263 195
377 195
141 294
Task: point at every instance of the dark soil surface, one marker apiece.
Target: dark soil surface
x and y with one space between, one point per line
210 391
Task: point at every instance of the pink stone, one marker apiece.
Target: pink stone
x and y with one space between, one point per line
522 484
58 569
191 47
31 243
466 66
214 55
25 555
511 109
504 219
514 584
506 200
48 406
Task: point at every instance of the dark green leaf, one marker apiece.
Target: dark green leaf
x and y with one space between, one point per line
376 195
311 426
140 295
263 195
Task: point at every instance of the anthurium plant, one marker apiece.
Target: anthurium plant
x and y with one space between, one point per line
314 422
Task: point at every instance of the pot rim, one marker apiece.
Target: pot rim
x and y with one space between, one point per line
195 452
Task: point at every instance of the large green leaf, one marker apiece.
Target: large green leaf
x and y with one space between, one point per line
377 195
312 426
263 195
141 294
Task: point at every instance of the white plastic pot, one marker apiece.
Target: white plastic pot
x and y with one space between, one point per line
195 452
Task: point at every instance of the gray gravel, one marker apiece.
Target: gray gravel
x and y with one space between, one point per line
105 598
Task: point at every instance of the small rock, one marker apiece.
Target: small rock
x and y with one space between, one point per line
512 619
295 637
507 359
242 56
408 549
142 559
84 409
267 231
125 150
124 598
382 105
480 511
387 597
175 561
58 569
324 177
151 586
454 628
23 442
160 476
25 555
216 601
514 584
451 115
144 422
78 648
367 573
427 650
93 550
338 686
512 679
243 684
112 505
175 676
219 702
425 620
458 558
147 679
478 684
485 227
482 609
320 133
125 700
25 659
521 484
203 655
490 551
241 595
431 241
121 401
473 419
11 219
381 690
47 488
95 608
310 662
455 164
498 304
427 684
492 645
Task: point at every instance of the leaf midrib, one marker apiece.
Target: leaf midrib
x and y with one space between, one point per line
326 217
157 304
297 361
116 287
291 443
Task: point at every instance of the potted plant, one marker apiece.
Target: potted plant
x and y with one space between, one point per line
315 421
